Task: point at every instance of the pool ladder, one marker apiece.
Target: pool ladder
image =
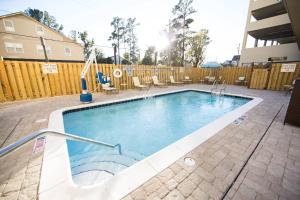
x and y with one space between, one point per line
146 94
223 88
215 88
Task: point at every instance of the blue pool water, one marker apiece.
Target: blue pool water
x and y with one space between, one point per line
143 127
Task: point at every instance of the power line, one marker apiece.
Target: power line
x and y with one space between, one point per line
49 39
7 11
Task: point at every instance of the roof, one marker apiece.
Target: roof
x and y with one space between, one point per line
236 57
23 14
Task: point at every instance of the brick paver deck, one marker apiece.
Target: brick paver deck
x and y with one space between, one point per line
273 171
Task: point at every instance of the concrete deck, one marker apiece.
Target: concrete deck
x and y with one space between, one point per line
273 171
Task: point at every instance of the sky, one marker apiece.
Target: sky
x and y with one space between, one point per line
225 20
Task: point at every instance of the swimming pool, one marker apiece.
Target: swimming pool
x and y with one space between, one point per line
142 127
174 122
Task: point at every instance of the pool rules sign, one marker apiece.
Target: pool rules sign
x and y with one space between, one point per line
288 67
49 69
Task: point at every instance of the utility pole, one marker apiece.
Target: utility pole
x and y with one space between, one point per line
155 58
44 48
238 48
169 47
115 54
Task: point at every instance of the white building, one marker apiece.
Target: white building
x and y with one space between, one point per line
272 32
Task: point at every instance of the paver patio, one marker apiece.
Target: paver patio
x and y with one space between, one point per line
273 171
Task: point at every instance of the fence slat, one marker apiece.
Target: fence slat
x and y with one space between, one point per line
57 84
19 79
46 82
12 80
39 77
33 80
2 96
26 79
62 80
5 82
79 68
75 73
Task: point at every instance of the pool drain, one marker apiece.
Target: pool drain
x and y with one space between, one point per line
189 161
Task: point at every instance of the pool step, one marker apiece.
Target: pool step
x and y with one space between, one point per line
94 167
110 162
133 155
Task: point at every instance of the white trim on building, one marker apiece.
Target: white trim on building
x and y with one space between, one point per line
14 47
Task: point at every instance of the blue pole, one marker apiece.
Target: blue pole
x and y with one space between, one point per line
83 84
85 97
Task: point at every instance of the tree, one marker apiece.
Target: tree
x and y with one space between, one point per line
149 56
164 57
99 55
50 21
101 58
45 18
181 24
87 44
197 46
126 56
125 60
35 13
73 35
117 36
171 55
131 39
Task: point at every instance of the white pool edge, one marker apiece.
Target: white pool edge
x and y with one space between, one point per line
56 179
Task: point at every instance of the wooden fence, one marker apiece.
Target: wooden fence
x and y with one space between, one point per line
272 78
25 80
278 79
259 79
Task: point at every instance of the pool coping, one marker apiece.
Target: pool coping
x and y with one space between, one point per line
56 179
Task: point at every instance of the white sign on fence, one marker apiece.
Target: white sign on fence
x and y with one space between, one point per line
50 69
288 67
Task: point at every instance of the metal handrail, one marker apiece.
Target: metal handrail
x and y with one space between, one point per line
214 87
146 94
41 132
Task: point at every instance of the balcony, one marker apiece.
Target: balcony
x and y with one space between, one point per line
262 9
271 28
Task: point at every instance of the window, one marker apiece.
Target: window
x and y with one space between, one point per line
40 50
67 51
9 25
39 30
14 47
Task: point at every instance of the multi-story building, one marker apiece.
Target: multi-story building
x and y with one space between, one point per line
272 32
22 38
